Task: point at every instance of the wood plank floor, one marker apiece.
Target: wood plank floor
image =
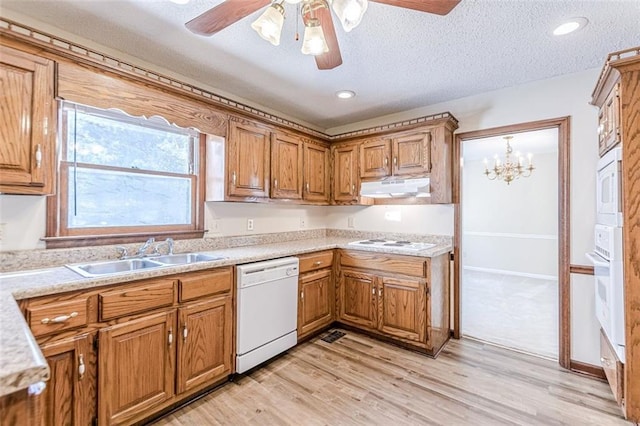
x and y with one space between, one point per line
360 381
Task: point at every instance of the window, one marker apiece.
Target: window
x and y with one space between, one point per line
122 175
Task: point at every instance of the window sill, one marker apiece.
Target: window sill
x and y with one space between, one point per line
101 240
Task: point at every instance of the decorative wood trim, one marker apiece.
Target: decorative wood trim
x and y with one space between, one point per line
588 369
563 126
614 60
409 124
581 269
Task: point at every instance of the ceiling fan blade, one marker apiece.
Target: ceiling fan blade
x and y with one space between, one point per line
332 58
223 15
439 7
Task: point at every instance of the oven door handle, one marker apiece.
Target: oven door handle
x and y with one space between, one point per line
597 260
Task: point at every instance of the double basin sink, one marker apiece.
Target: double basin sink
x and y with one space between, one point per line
97 269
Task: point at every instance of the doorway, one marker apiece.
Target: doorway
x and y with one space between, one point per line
511 270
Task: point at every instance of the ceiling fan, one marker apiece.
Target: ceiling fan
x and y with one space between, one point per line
320 36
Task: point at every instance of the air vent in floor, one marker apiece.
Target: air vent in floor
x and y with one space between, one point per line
333 336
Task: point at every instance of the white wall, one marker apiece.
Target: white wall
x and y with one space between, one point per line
511 227
23 221
568 95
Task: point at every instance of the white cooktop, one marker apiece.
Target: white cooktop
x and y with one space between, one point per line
393 244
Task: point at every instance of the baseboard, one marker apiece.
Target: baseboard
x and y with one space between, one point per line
587 369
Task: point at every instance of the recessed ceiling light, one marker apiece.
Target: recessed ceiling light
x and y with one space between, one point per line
570 25
345 94
179 1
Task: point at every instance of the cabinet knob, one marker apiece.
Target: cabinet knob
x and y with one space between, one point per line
61 318
38 156
81 367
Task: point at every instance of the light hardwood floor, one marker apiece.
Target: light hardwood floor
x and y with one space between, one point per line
360 381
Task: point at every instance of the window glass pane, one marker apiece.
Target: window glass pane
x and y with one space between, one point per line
104 198
116 139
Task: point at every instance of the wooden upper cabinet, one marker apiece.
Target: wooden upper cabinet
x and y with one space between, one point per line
69 397
136 367
375 158
204 342
406 154
345 173
316 173
609 121
412 154
286 166
248 153
27 128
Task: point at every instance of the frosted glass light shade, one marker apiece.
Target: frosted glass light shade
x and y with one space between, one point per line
269 24
350 12
314 42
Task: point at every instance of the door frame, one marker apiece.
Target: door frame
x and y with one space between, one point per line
563 124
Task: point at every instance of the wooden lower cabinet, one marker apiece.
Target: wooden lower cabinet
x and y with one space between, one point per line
403 308
378 294
316 301
69 397
205 342
357 300
136 366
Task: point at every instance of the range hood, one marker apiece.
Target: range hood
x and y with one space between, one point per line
396 188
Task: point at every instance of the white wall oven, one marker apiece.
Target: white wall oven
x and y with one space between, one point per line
609 284
609 189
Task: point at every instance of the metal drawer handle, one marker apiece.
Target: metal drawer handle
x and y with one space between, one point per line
318 263
386 161
275 183
185 333
81 367
38 156
380 292
61 318
170 337
605 361
302 295
307 186
373 291
233 178
395 160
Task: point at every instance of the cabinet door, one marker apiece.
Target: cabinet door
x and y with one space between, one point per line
136 367
375 158
248 160
204 342
69 397
27 125
411 154
345 168
316 173
286 166
403 308
316 301
357 300
610 121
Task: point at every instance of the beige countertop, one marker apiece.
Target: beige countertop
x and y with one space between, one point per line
21 361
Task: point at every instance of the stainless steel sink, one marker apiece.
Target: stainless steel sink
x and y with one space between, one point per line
129 265
185 258
114 267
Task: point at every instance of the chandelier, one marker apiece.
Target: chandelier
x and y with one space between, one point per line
269 24
511 168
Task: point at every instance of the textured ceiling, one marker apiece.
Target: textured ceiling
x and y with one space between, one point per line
396 60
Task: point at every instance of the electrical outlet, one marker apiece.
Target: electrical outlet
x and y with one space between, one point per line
249 224
303 223
350 222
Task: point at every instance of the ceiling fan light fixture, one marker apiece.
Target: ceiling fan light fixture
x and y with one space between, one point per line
269 24
314 42
349 12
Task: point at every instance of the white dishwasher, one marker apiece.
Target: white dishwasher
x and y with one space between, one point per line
267 310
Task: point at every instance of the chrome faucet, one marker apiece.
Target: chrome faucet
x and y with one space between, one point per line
169 242
145 246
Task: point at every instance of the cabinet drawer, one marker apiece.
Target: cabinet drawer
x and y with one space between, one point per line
391 263
203 284
135 298
314 261
612 366
58 316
